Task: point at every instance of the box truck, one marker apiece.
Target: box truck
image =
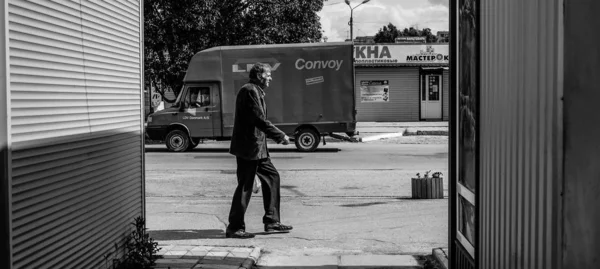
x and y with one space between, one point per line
311 95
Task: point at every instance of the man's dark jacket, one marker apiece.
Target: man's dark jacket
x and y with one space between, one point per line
251 127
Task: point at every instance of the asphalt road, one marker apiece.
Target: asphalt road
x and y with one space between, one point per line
346 198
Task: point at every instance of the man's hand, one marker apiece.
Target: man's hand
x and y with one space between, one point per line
286 140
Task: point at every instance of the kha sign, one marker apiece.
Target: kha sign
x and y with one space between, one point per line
401 54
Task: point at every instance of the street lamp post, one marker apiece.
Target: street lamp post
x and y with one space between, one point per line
351 11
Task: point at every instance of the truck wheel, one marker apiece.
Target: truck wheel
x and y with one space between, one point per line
307 140
177 141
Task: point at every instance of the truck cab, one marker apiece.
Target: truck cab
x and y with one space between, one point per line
195 115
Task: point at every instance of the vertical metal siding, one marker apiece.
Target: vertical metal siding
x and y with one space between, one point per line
75 85
404 94
520 134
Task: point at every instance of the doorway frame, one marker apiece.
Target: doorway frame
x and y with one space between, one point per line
423 72
459 257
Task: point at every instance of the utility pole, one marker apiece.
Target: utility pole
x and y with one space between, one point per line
351 22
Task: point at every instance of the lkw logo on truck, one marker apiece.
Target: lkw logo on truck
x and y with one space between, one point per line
245 65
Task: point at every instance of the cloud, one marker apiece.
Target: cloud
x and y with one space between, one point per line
369 18
445 3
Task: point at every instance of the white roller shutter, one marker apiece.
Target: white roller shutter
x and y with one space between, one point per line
76 129
403 104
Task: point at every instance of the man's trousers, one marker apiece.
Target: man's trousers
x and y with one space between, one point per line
269 177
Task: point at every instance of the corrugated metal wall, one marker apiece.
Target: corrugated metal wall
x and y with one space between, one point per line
404 94
76 112
521 134
446 95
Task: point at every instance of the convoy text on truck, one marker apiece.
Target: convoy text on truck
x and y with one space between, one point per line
311 95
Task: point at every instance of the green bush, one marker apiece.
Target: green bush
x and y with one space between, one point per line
140 249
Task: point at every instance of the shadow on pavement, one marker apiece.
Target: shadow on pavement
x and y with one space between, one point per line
186 234
226 150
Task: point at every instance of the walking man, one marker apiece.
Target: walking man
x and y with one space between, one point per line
249 144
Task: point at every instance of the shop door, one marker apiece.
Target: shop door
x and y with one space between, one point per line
431 93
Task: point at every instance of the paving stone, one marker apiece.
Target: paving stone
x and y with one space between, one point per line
323 262
179 257
165 248
247 250
202 248
182 248
176 253
199 253
378 261
216 255
216 266
237 262
175 263
221 249
238 254
161 252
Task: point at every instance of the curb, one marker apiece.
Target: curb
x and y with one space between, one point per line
437 132
252 259
441 257
382 136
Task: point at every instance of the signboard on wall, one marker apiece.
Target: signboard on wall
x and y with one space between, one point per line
374 91
401 54
406 39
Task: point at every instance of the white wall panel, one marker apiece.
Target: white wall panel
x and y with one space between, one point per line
76 113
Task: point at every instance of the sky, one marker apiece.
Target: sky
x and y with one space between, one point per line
372 16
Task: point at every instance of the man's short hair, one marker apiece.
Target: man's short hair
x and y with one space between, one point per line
258 69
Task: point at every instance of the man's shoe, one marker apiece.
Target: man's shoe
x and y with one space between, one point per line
239 234
277 228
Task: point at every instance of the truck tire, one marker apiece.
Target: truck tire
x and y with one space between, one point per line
307 140
177 141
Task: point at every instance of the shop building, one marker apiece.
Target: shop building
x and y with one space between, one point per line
402 82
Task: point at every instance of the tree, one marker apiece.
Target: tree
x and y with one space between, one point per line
411 32
430 37
387 34
175 30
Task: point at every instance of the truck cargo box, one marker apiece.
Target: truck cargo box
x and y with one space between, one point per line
312 83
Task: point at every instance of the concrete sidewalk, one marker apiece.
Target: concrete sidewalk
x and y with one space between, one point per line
214 257
341 261
190 256
370 131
